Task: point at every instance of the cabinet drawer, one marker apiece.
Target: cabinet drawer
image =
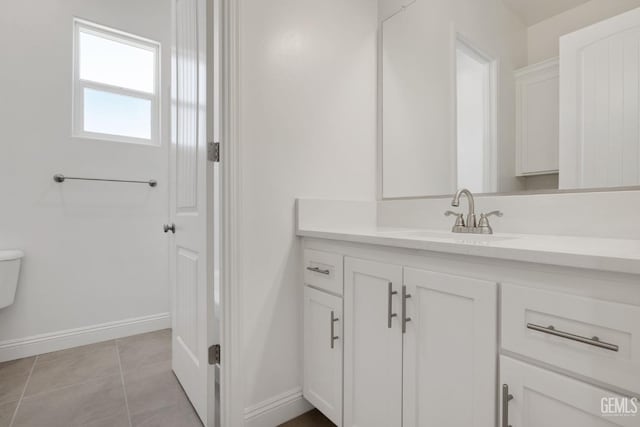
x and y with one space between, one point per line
541 398
323 270
594 338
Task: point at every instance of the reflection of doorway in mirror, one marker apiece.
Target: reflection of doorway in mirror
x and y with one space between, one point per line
475 118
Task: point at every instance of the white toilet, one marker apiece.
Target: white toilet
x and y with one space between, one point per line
9 272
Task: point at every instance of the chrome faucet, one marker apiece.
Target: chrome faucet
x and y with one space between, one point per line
471 225
471 216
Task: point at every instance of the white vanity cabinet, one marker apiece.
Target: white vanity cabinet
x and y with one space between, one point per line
415 340
450 350
323 332
430 339
542 398
323 352
372 344
537 118
594 339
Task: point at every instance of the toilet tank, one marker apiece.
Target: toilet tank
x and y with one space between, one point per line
9 273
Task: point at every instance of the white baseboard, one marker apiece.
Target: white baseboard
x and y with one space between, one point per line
45 343
277 410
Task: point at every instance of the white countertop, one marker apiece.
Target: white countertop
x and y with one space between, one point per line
616 255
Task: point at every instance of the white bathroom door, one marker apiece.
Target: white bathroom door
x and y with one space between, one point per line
190 252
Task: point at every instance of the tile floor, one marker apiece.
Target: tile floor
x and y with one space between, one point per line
310 419
121 383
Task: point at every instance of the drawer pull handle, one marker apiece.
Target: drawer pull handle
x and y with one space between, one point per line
319 270
334 319
594 341
506 398
405 319
390 313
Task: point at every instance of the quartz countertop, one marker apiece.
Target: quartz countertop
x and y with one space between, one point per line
605 254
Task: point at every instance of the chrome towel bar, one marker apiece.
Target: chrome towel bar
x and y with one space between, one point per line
594 341
61 178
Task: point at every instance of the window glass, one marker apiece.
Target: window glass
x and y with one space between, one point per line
115 91
115 63
115 114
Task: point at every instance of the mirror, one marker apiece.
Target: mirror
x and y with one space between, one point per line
503 96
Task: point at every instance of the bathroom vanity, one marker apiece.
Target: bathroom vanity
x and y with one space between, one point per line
432 321
432 328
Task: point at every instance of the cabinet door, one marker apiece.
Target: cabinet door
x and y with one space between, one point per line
450 351
543 398
537 118
600 104
373 344
323 352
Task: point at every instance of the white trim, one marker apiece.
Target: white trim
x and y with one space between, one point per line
232 395
490 167
60 340
277 410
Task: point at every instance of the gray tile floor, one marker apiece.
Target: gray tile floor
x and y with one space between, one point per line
120 383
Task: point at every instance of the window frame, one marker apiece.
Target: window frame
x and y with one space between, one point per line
79 85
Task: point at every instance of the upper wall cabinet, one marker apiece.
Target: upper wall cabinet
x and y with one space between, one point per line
600 104
537 118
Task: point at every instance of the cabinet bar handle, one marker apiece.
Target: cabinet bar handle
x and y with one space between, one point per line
319 270
506 398
390 313
334 319
594 341
405 319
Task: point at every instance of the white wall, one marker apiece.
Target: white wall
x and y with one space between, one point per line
543 37
307 129
607 214
95 252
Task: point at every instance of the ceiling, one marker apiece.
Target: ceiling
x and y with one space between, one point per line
534 11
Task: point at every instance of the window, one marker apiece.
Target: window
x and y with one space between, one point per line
475 102
116 94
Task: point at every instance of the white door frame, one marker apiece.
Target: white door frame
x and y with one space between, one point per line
232 398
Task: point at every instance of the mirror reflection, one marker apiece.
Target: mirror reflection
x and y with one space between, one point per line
509 95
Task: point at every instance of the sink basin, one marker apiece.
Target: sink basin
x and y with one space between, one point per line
456 237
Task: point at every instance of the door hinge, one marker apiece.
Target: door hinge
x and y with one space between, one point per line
214 354
213 152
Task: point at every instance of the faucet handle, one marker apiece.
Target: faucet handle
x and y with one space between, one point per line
459 218
488 214
484 225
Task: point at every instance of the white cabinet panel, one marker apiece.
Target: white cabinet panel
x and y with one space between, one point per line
323 270
599 104
323 352
612 323
537 118
450 351
372 345
542 398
